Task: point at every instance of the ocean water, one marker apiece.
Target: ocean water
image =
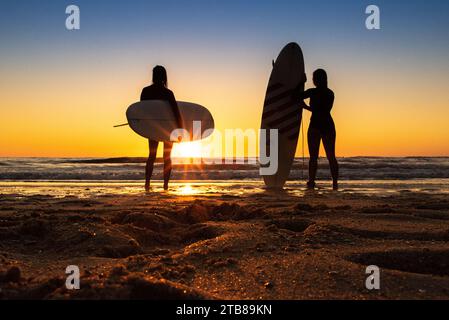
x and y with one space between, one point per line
129 169
88 176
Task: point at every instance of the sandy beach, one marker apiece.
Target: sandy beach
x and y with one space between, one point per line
221 240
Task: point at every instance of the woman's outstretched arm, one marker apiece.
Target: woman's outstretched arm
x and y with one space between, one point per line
301 96
304 105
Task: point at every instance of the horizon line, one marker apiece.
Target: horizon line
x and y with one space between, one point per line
223 158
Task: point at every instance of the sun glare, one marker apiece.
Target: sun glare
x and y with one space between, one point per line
187 150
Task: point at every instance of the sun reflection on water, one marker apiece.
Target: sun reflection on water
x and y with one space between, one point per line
186 190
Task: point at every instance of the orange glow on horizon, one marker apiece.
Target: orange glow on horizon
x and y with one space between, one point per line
74 117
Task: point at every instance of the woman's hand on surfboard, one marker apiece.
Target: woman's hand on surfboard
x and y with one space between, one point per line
303 105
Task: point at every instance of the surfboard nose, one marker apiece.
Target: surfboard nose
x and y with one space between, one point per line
292 45
292 48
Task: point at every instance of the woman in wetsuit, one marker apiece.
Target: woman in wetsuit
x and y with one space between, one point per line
159 91
321 126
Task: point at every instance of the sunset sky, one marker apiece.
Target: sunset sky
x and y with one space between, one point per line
62 91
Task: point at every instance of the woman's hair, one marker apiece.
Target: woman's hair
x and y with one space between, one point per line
320 78
160 75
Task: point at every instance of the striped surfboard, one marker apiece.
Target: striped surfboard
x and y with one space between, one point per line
282 112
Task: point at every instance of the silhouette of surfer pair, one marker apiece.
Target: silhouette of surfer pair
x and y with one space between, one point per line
321 128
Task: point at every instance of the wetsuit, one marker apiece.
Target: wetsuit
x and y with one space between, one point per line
321 127
160 92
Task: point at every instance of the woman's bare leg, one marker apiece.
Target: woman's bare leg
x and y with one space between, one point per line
150 162
329 146
314 140
167 163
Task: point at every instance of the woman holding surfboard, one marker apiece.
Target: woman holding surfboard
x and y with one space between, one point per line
321 126
159 91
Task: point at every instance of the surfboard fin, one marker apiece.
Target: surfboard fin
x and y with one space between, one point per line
121 125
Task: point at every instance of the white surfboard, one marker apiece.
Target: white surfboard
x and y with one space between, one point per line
155 120
282 112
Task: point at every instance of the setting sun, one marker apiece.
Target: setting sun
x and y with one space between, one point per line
187 150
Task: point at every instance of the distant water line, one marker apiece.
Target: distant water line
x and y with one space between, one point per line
132 169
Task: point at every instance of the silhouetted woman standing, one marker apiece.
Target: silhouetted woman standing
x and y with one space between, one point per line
159 91
321 126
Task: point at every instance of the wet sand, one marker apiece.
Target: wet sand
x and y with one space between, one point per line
225 245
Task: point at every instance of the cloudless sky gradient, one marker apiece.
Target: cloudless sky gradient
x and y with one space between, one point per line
62 91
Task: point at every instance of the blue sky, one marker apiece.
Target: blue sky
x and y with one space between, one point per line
226 23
